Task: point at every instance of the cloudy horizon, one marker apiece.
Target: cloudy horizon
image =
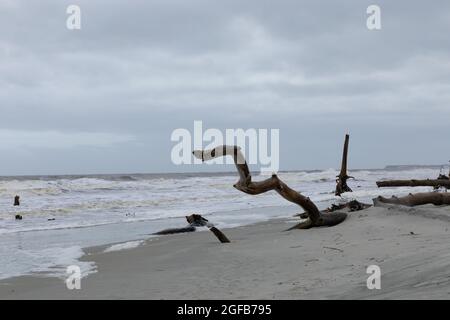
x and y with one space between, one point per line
106 98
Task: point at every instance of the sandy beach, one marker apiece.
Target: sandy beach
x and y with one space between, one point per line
133 134
410 245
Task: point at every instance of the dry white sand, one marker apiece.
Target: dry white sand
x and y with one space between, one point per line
410 245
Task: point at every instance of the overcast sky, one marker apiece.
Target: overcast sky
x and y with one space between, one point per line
106 98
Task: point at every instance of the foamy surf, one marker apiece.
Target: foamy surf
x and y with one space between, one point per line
124 246
45 262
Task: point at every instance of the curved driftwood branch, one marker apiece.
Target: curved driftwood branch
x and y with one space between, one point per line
246 185
415 183
411 200
341 181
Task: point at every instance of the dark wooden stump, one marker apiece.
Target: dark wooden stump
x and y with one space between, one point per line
341 181
17 201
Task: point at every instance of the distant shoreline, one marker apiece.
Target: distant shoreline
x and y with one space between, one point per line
199 173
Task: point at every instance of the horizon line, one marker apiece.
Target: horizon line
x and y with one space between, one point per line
216 172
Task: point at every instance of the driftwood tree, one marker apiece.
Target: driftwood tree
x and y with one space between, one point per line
245 184
415 183
341 181
411 200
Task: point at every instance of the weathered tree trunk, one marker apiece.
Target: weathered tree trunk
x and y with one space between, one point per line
411 200
341 181
246 185
415 183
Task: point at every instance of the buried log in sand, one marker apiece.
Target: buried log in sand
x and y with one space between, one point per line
245 184
411 200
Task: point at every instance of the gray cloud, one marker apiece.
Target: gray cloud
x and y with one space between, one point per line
142 69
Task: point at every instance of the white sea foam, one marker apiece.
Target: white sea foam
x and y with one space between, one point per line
124 246
51 261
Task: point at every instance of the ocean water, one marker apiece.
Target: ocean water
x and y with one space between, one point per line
95 210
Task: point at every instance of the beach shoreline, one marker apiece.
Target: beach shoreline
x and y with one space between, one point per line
62 215
265 262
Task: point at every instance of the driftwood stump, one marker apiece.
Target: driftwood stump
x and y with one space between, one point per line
341 181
